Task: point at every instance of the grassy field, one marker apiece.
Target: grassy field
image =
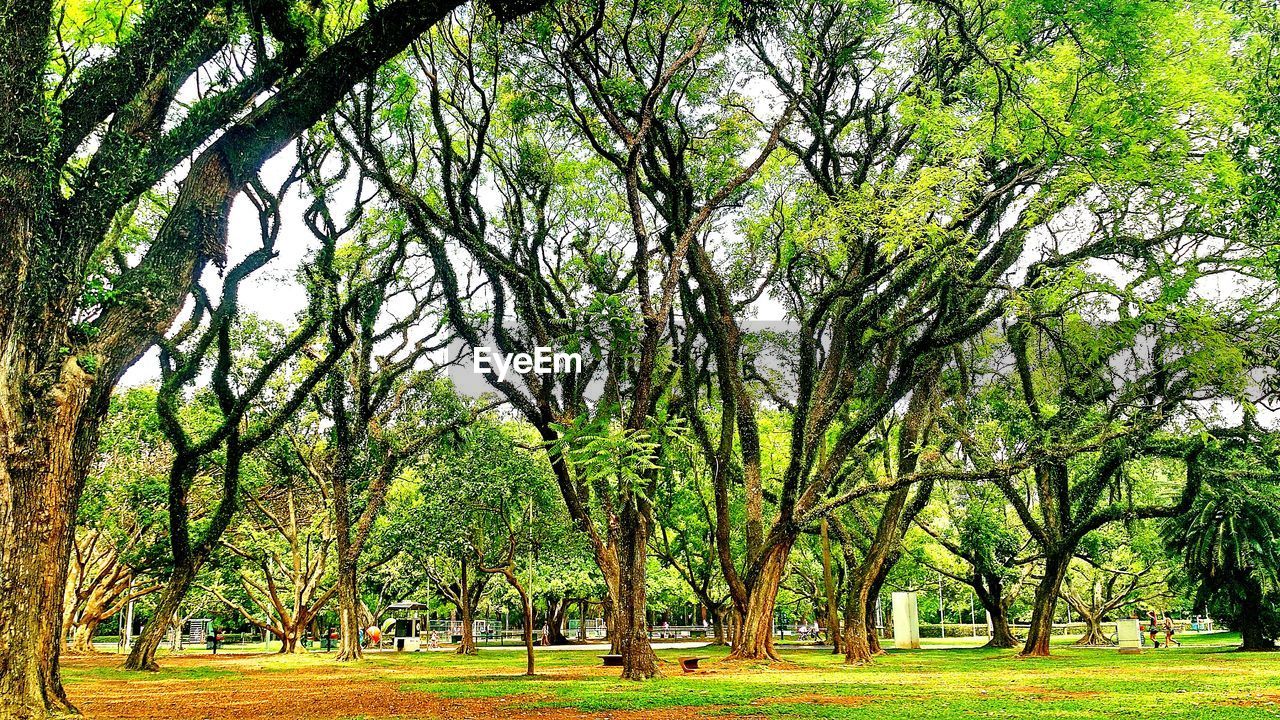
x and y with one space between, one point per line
1203 679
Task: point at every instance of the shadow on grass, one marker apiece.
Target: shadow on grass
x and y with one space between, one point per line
164 673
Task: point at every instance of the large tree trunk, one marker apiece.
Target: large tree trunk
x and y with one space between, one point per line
82 636
829 588
630 624
857 641
754 637
143 655
80 629
861 645
44 446
990 592
861 641
1253 638
36 512
555 621
873 636
101 604
348 606
717 625
467 645
42 470
1252 634
1093 634
1045 603
293 631
1001 634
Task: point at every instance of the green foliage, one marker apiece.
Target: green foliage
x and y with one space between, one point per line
607 453
1229 541
125 496
1078 181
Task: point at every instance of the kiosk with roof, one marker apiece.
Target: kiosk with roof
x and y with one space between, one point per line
407 634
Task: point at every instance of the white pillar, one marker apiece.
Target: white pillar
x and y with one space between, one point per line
1129 635
906 621
128 623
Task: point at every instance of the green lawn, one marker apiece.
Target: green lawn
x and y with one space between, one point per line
1202 682
1204 679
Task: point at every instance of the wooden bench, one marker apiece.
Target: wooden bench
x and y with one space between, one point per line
612 660
689 664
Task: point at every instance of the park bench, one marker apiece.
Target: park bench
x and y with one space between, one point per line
689 664
612 660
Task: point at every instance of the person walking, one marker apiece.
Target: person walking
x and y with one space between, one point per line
1168 633
1153 628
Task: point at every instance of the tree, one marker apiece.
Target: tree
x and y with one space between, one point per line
607 455
246 406
437 527
1097 400
1108 368
1097 439
500 498
1228 539
284 548
118 547
563 576
89 125
1114 571
924 173
684 536
572 259
977 530
382 402
871 541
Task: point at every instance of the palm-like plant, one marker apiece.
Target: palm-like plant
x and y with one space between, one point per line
1230 539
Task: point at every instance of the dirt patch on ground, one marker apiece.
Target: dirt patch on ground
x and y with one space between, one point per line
1255 701
254 692
193 699
750 666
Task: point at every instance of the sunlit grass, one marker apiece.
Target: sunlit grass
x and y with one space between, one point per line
1206 678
